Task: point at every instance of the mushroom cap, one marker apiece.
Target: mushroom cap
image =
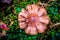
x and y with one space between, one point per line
33 19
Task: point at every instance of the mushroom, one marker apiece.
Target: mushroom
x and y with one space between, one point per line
33 19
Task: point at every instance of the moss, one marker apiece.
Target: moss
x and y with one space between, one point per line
19 34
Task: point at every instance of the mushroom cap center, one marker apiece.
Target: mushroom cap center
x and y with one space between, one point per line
33 18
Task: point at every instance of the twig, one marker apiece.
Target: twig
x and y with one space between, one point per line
56 24
11 23
43 4
14 11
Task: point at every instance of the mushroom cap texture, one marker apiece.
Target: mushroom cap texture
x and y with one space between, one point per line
33 19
